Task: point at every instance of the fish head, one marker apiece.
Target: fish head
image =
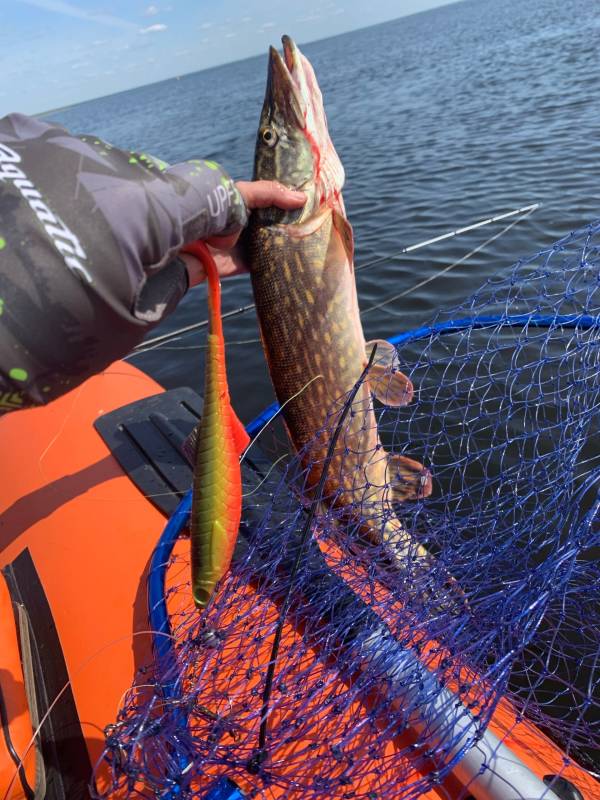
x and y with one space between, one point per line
293 143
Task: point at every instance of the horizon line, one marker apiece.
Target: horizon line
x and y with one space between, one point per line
238 60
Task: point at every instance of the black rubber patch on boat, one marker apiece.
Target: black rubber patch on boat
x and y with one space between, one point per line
66 760
146 438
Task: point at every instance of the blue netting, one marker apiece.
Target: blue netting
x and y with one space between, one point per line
392 668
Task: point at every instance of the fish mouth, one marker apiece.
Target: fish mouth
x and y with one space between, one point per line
287 87
293 88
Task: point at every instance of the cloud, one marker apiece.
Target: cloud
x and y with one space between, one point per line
158 28
230 35
70 10
267 25
151 11
206 25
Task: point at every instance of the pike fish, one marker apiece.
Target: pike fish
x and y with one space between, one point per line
301 266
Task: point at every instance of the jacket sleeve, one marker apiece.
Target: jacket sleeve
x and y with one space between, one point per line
89 237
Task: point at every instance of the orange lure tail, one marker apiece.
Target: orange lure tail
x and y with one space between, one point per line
217 490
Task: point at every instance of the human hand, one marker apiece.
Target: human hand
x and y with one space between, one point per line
229 261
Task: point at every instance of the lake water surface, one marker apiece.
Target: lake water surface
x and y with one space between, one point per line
441 119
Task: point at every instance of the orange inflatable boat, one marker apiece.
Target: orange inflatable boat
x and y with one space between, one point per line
82 479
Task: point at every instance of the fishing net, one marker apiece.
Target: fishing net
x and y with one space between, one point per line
392 673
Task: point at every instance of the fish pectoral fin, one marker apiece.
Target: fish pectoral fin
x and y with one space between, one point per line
408 479
344 230
390 386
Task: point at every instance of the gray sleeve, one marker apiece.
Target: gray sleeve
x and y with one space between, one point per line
212 205
153 209
90 240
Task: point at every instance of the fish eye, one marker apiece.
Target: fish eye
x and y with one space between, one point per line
269 137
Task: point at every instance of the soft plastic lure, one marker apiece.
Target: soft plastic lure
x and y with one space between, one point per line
221 438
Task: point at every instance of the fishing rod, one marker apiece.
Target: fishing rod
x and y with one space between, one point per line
151 344
447 269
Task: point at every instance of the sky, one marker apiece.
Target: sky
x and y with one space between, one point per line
59 52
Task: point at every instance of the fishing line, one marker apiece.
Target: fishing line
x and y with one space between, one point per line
135 352
271 468
61 429
151 344
140 348
201 346
274 417
255 761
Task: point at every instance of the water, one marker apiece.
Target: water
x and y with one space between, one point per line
440 119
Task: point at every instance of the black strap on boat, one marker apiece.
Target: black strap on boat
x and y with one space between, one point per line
67 764
5 723
31 694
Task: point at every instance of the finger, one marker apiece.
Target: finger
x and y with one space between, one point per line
223 242
195 269
230 263
262 194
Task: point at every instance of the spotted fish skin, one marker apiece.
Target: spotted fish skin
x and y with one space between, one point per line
302 272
